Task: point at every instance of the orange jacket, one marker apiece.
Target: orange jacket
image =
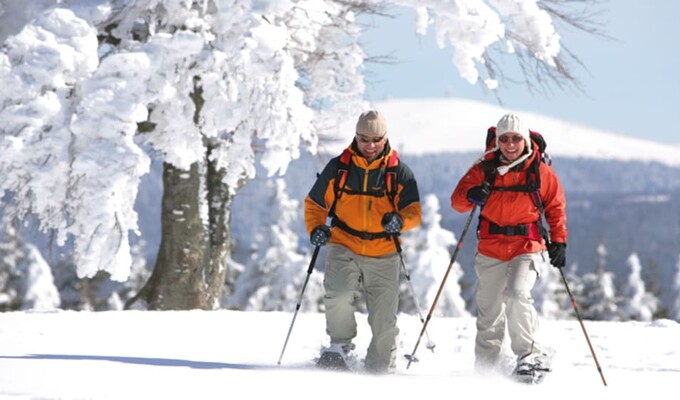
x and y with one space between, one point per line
360 206
508 208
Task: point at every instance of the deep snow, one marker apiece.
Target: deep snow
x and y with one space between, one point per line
234 354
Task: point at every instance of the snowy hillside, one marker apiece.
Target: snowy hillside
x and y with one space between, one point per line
422 126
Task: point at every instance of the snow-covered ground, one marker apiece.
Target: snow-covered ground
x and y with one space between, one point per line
233 354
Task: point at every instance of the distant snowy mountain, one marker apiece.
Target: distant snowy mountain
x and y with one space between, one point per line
425 126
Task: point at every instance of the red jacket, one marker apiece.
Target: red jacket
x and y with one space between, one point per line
509 208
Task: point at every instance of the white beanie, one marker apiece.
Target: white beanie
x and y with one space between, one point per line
511 123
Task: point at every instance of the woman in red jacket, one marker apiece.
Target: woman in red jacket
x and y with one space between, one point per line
511 242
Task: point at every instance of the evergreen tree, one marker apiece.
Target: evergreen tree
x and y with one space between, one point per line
26 280
601 258
273 278
549 293
675 306
596 293
427 250
598 297
637 304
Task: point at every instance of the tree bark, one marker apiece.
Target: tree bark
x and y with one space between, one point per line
219 237
177 281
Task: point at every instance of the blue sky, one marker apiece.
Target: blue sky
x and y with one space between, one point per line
631 84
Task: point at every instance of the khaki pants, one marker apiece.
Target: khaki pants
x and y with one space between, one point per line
345 274
504 297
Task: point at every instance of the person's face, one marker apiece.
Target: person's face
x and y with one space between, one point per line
370 144
512 145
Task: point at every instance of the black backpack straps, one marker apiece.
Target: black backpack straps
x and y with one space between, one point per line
391 177
490 178
534 183
391 187
344 163
533 179
490 137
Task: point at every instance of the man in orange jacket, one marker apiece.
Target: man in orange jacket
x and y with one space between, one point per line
370 204
511 245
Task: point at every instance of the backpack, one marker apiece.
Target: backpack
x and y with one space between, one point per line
344 164
533 181
343 170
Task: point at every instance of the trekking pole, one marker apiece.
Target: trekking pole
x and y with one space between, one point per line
412 357
302 292
430 344
583 327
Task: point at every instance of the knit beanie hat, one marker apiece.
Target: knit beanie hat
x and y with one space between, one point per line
511 123
371 121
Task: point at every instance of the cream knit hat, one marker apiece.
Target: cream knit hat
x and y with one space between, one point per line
511 123
371 121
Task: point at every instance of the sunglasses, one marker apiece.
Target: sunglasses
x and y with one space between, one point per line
367 139
514 138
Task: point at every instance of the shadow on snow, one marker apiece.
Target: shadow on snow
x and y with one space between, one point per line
161 362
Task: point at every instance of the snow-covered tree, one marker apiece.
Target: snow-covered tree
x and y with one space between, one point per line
427 252
273 278
26 281
675 290
601 258
207 85
199 83
596 297
549 293
595 292
636 302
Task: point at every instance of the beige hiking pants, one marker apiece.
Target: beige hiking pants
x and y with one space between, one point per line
345 275
504 297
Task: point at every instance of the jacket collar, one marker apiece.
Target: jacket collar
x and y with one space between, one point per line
504 168
361 161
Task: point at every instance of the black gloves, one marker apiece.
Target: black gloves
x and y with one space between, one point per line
557 253
320 235
478 194
392 223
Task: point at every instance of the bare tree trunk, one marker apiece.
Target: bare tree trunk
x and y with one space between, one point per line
177 281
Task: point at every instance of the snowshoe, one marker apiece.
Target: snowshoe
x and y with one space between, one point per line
336 357
332 361
532 369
